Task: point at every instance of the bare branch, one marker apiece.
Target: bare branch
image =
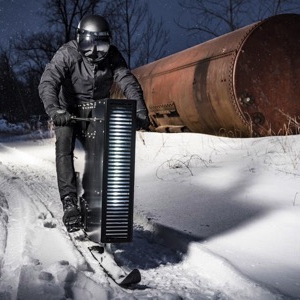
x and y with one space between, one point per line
212 18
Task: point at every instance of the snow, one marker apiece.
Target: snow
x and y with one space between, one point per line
7 127
215 218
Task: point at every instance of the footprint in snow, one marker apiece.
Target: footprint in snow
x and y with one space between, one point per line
46 276
49 224
47 220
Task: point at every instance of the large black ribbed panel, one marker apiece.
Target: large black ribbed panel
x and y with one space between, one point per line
118 176
108 181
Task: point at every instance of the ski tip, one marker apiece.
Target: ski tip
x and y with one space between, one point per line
134 277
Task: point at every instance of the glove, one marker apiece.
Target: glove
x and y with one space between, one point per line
142 119
61 117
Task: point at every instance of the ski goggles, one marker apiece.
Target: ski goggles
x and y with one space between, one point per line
88 40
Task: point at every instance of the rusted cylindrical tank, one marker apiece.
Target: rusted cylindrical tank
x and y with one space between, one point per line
244 83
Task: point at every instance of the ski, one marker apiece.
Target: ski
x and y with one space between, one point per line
104 256
106 260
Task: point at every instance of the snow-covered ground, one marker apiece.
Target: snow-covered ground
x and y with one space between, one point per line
215 218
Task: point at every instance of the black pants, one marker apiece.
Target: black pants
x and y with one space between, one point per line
66 137
64 149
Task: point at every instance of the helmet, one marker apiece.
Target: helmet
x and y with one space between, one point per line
93 37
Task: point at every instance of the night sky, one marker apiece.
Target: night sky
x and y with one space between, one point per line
23 15
16 16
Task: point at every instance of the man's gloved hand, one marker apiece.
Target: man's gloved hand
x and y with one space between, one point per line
61 117
142 119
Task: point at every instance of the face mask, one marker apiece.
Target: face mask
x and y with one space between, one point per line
93 46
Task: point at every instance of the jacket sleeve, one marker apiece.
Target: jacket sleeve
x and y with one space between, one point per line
51 81
126 81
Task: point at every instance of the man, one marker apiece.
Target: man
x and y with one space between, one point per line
83 71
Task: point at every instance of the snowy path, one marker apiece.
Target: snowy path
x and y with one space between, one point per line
38 256
39 260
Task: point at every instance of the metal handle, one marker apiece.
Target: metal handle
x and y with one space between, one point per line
86 119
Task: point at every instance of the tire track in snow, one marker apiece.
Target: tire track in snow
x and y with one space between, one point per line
39 254
19 217
38 175
3 227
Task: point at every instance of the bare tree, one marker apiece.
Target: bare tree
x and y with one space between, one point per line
136 33
35 50
212 18
64 15
269 8
153 43
12 102
127 25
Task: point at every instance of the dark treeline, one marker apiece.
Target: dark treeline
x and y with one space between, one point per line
140 36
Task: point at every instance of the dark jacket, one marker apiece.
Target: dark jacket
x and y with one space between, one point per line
70 79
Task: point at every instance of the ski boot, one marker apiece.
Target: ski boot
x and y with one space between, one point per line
72 215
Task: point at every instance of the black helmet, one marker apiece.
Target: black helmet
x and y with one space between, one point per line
93 37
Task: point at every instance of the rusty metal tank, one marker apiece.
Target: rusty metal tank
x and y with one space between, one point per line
244 83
